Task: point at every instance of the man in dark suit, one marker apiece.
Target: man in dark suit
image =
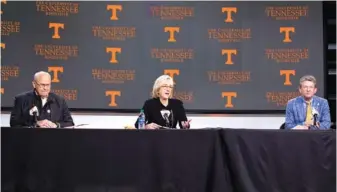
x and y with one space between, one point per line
40 107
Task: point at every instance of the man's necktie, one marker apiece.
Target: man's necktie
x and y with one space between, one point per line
308 118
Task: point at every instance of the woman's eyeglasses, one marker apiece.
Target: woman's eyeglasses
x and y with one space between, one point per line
167 86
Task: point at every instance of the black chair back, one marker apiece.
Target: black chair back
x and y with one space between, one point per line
283 126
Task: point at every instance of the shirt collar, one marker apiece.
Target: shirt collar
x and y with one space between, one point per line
49 98
312 99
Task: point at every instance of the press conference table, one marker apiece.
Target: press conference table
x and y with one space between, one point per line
200 160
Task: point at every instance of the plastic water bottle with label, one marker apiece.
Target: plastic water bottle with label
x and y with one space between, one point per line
141 120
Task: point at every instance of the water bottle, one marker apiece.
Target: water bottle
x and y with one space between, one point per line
141 120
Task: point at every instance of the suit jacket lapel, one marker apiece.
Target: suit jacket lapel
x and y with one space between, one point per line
302 110
52 109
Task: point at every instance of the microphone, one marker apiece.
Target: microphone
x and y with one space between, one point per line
167 120
315 114
34 112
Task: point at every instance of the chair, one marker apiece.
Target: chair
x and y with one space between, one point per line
283 126
333 125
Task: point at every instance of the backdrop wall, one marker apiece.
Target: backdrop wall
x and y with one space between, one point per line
106 55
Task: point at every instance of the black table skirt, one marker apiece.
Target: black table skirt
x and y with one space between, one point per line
203 160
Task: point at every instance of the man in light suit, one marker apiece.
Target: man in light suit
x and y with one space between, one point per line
308 111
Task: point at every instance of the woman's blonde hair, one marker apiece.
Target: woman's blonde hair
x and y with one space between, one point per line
160 81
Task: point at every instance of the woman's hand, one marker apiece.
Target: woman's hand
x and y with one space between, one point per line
152 126
186 124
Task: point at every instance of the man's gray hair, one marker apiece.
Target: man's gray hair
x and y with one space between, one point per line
40 73
308 78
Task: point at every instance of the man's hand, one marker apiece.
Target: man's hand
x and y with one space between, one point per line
312 124
42 123
51 124
301 127
46 124
308 124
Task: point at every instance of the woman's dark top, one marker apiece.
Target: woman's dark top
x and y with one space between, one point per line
155 112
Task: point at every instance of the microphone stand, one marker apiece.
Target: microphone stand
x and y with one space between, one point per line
167 120
314 126
34 120
315 119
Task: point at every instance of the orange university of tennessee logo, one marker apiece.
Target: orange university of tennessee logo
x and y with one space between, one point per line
56 26
112 95
287 74
229 96
114 9
172 31
54 71
4 2
229 53
113 51
171 72
229 11
287 31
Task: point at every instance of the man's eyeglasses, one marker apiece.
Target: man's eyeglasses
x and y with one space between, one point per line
41 85
308 87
